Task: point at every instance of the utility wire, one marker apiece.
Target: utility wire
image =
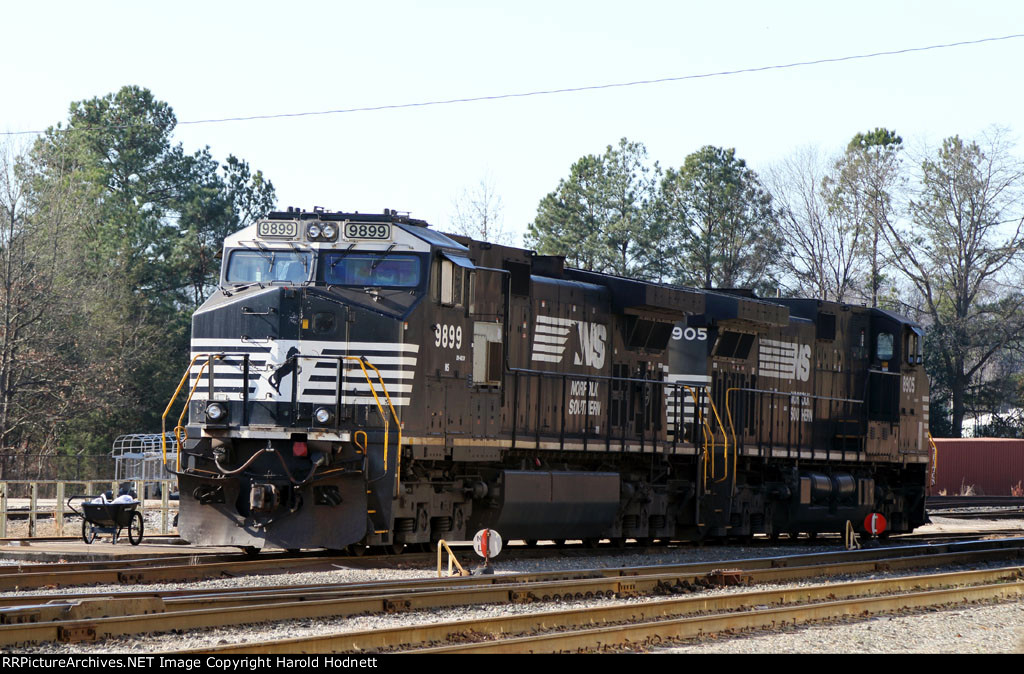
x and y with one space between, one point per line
568 90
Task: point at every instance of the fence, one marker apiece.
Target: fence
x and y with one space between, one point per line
21 467
48 498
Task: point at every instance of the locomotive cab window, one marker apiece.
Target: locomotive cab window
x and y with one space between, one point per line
453 274
266 266
372 271
884 345
913 346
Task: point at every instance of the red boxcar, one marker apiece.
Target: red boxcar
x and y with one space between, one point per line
990 466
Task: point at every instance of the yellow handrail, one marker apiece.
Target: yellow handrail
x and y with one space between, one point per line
398 424
179 429
362 365
163 419
707 432
935 457
725 440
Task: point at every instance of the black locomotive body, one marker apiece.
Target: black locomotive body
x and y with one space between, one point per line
364 380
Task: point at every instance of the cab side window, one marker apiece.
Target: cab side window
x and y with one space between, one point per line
912 348
451 283
884 346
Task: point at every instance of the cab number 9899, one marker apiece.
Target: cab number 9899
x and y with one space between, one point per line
362 230
277 230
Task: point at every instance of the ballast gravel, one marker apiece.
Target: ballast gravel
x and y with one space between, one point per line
978 628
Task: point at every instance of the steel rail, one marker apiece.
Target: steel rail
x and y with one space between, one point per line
502 633
525 585
661 631
141 571
221 610
26 577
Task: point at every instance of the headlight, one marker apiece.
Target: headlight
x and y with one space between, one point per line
322 416
216 412
313 231
328 231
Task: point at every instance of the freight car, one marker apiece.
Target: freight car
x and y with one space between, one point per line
364 380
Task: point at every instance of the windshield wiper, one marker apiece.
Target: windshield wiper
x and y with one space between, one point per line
381 258
341 255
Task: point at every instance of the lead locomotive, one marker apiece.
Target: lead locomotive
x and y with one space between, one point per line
364 380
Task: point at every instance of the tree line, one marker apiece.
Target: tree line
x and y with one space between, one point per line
110 235
939 238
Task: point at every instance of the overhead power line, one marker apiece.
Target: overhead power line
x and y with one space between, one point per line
595 87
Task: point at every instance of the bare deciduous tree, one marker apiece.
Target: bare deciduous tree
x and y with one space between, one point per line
963 255
821 250
37 227
479 214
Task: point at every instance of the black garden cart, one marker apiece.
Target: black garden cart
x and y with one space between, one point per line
109 518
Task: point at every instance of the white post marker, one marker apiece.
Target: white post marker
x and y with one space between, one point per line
487 543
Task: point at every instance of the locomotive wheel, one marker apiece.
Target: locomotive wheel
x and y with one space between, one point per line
530 542
88 535
135 528
591 543
619 542
356 549
250 550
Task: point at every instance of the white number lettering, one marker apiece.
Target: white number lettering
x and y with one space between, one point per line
448 336
690 334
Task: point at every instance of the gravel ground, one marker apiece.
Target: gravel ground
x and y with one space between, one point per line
996 628
981 628
976 629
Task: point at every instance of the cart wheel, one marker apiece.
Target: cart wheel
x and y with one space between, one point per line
88 535
135 527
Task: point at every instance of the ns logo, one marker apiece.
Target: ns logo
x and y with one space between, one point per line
551 338
592 342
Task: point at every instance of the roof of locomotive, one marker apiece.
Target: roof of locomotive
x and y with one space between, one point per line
809 308
401 221
389 215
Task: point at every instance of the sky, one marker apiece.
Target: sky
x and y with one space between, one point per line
221 59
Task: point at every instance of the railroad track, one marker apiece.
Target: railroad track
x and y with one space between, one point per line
89 617
660 622
196 567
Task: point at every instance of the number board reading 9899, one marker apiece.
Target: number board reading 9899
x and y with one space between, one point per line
270 229
365 230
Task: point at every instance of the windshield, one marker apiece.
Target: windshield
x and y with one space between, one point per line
366 271
264 266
